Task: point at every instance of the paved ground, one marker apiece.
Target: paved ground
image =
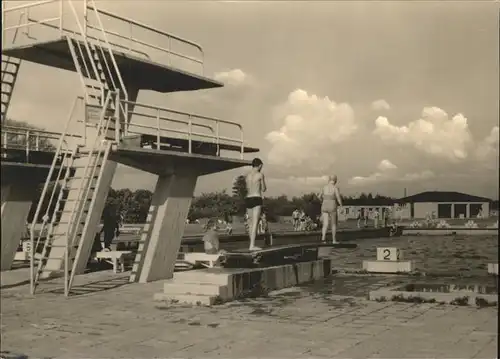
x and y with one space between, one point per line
330 319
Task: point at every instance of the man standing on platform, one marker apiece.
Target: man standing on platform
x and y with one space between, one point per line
256 185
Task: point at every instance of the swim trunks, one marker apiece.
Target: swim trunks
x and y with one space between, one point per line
251 202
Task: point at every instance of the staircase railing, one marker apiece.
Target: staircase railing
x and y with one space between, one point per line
111 74
99 148
61 156
62 175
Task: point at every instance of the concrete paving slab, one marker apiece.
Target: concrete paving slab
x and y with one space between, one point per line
333 319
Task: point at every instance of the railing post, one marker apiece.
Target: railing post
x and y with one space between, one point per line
3 31
130 42
169 51
5 139
85 113
37 143
158 129
61 12
118 122
242 153
85 19
27 19
190 134
217 137
27 145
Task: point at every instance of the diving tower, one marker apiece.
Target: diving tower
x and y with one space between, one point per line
113 65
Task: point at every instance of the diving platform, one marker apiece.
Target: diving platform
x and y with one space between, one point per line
165 162
142 72
142 152
147 57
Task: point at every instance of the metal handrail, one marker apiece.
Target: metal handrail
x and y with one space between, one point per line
217 137
27 134
43 194
22 7
123 88
44 133
99 142
29 5
157 31
129 23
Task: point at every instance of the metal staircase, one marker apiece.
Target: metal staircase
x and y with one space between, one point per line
79 177
72 222
10 69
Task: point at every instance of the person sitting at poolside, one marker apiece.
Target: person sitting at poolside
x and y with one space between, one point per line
211 238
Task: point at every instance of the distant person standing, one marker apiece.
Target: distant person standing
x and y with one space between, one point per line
376 217
331 200
295 219
256 185
110 227
263 225
302 220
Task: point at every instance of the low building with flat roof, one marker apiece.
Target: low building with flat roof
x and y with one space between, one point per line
443 204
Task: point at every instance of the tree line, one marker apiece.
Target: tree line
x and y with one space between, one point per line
134 205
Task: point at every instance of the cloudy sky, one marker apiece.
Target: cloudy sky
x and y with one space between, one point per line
387 95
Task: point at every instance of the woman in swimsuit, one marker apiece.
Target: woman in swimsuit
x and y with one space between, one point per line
330 201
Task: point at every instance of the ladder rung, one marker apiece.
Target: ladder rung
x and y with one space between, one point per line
84 177
69 211
60 245
58 223
44 269
64 234
75 199
77 188
78 167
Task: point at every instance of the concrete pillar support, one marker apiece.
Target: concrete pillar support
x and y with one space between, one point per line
164 227
17 198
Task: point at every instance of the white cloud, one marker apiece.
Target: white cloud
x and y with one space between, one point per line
487 149
234 77
435 133
300 181
386 173
309 128
423 175
360 180
385 165
380 105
